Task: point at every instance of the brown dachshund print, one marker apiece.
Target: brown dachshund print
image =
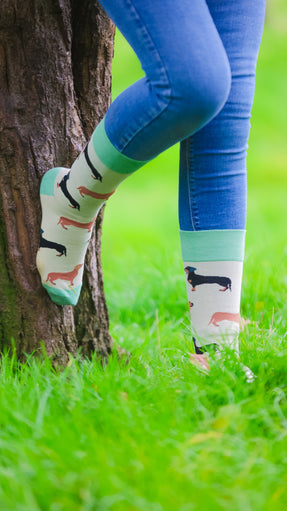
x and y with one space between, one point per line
69 276
217 317
85 191
63 221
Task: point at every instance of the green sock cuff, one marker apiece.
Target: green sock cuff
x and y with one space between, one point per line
110 156
217 245
63 296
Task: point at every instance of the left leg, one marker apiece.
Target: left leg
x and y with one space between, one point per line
186 84
212 184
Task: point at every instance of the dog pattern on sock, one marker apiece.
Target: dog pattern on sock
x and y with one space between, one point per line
217 317
63 185
65 222
96 175
214 314
102 196
52 244
200 350
69 276
197 280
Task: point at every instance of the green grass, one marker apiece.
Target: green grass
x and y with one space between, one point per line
158 434
154 435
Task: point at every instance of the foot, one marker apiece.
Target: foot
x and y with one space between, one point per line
199 360
65 234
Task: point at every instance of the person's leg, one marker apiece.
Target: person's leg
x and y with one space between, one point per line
187 82
212 185
187 74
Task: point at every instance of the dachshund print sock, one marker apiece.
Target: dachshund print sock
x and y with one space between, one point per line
213 263
70 201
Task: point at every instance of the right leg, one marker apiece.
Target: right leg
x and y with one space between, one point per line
187 74
212 190
187 82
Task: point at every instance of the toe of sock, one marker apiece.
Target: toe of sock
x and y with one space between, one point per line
48 180
63 296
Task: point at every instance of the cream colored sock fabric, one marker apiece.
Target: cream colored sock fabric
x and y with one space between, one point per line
71 200
212 263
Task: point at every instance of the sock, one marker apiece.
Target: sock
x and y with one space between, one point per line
213 263
70 201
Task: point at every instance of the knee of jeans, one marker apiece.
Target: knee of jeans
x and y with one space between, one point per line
197 95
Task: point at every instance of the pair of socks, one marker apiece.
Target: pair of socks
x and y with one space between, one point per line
71 200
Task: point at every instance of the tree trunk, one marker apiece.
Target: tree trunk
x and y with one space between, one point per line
55 77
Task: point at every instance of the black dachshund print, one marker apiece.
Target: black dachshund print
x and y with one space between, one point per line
63 185
96 175
197 280
51 244
202 349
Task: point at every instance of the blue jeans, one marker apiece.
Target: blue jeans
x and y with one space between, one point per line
199 59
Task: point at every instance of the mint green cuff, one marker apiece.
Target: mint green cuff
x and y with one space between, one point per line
217 245
63 296
110 156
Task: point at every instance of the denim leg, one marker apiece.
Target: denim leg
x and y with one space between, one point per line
212 179
187 74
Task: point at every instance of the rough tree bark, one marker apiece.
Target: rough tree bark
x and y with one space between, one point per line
55 76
